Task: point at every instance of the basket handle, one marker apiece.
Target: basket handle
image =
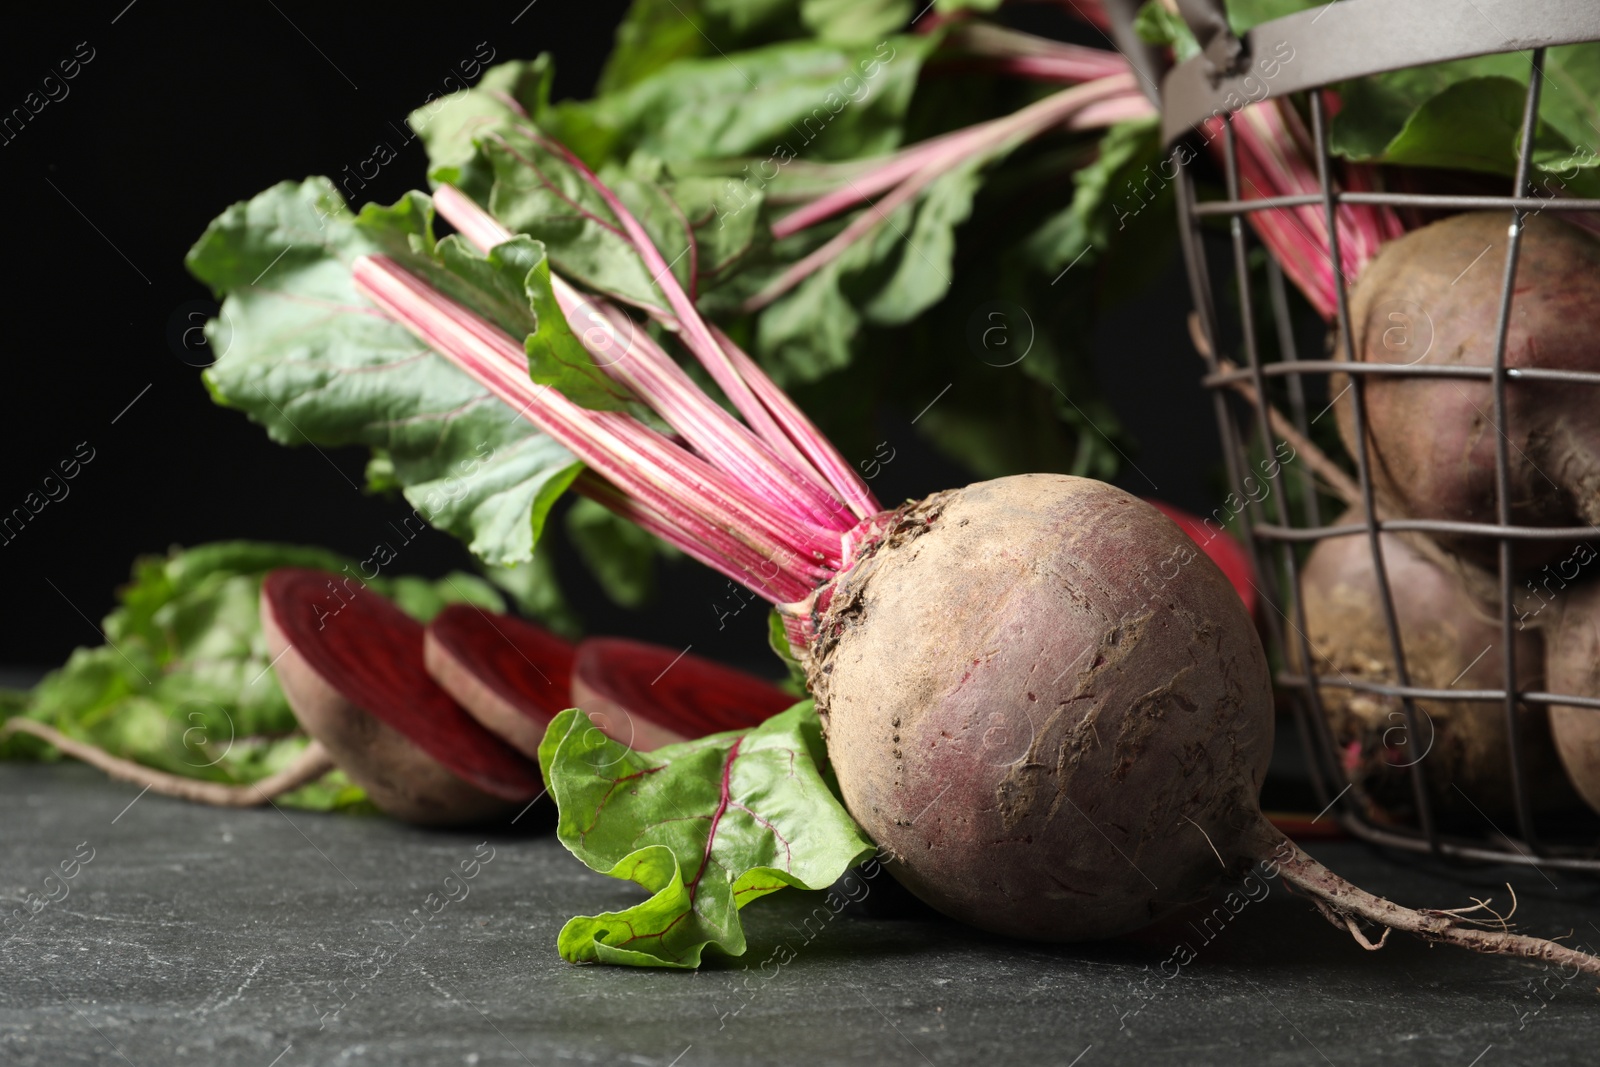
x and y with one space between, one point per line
1208 21
1144 58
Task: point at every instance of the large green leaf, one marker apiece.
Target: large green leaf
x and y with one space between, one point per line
1570 102
556 356
701 226
621 556
451 125
656 33
856 21
925 255
537 192
706 827
310 359
1476 124
1468 114
814 99
812 331
1471 125
887 278
1108 192
726 219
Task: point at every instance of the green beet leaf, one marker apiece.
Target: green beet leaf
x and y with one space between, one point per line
302 353
536 192
805 98
451 125
701 226
656 33
1155 24
812 330
1472 124
1467 114
556 356
705 827
621 556
1108 192
778 641
887 278
856 21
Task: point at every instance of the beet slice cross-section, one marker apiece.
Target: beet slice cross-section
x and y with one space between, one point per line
510 675
351 664
647 696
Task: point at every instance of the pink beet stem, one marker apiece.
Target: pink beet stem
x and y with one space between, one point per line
677 485
947 150
978 141
1068 70
995 41
770 468
1275 159
710 546
647 369
810 440
692 328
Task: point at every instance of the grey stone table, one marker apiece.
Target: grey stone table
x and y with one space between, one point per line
267 938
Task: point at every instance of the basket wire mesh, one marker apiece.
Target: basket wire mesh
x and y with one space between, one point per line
1274 533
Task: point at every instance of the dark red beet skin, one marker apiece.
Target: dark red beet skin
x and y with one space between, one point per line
1220 547
647 696
351 664
1047 705
510 675
1432 440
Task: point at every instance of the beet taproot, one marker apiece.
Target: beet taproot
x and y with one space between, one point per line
647 696
511 675
1572 666
1450 639
1047 705
1432 299
351 665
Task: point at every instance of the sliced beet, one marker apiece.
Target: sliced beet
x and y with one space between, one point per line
351 665
510 675
647 696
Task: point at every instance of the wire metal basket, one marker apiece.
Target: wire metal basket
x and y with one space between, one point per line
1333 44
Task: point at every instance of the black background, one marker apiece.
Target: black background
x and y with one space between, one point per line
184 109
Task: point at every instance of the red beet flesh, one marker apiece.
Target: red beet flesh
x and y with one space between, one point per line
351 664
647 696
510 675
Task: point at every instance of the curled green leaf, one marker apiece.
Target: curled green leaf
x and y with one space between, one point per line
705 827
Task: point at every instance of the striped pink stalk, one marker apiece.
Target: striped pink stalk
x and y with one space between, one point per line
1275 159
678 487
1114 97
642 365
977 141
756 458
817 554
804 433
993 41
692 328
633 358
711 547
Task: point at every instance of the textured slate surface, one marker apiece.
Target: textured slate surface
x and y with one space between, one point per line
259 938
